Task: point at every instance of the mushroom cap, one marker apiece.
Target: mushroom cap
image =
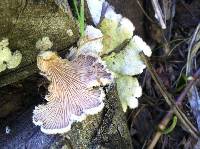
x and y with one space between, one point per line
70 98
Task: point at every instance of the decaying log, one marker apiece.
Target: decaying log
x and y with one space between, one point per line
23 22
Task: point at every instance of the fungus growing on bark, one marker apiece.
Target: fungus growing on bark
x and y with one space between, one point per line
124 63
91 42
7 58
44 44
128 61
129 90
71 94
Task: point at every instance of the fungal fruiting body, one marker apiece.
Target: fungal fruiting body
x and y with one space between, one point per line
44 44
117 31
91 42
129 90
128 61
95 7
71 95
7 58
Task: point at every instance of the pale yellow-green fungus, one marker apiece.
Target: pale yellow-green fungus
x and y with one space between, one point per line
7 59
128 61
128 90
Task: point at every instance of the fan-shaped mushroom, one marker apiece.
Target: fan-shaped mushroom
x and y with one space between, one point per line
71 94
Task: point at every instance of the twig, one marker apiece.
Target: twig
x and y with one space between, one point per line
148 17
190 56
165 44
170 101
169 115
158 13
171 18
161 126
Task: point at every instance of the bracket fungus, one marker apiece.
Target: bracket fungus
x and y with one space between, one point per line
128 61
124 63
74 91
128 90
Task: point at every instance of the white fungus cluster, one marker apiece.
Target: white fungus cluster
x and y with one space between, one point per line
133 91
75 85
7 58
95 7
128 61
91 42
116 29
125 64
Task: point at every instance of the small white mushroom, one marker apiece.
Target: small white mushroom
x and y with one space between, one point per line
71 96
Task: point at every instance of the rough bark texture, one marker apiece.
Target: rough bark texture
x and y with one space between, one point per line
107 129
23 22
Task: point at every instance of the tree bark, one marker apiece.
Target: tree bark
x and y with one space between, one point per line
23 22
